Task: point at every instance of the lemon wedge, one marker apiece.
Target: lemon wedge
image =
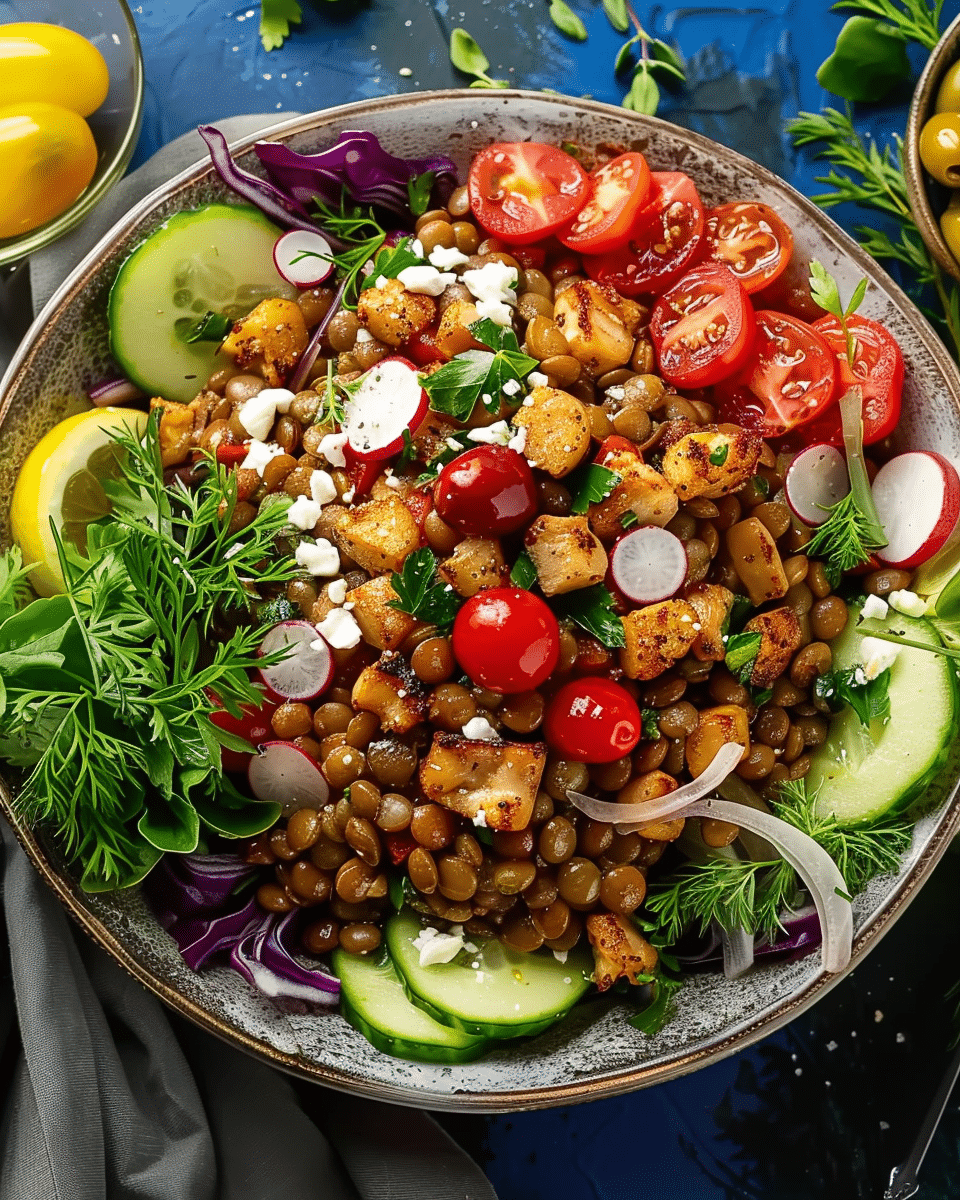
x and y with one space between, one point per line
62 480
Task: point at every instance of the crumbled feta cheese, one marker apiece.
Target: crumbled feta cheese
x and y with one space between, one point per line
615 393
259 454
304 513
340 629
496 434
364 335
436 947
391 480
479 729
519 440
349 494
908 603
337 591
427 281
453 444
877 656
331 448
382 281
537 379
416 247
493 281
283 398
874 608
258 414
495 310
319 558
480 820
511 387
322 488
446 257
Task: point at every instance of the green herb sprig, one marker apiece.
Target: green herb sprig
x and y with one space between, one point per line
466 56
592 609
645 56
276 17
869 698
421 594
567 21
456 387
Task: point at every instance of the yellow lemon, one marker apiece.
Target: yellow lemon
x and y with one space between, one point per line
47 157
48 62
61 481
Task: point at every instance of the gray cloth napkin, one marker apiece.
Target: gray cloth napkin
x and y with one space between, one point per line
109 1100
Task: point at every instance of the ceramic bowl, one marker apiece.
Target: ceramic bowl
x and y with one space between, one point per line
108 24
928 198
594 1052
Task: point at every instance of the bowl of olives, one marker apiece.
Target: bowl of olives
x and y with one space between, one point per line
931 152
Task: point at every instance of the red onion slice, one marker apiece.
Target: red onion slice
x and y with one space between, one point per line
737 952
114 391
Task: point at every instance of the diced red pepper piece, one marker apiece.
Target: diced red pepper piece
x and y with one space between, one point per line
400 846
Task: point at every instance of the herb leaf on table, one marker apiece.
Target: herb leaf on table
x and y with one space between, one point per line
276 17
466 56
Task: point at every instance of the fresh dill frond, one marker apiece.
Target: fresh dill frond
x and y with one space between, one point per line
846 538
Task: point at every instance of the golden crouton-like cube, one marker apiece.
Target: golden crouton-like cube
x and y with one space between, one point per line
641 490
713 603
620 951
599 324
711 462
558 433
757 561
381 626
392 314
378 535
175 432
653 785
498 779
657 635
453 333
566 554
715 728
391 690
780 639
475 563
272 337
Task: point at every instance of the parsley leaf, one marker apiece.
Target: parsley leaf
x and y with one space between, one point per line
742 651
718 456
211 327
590 484
276 17
761 485
524 573
592 609
825 291
420 594
869 698
650 729
659 1010
390 261
455 387
418 192
628 519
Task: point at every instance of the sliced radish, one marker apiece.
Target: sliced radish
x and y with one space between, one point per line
384 403
918 501
648 564
303 258
286 775
308 667
815 481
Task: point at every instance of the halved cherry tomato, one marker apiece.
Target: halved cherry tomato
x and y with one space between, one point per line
751 240
790 378
664 243
877 370
232 456
593 720
620 191
506 640
702 329
522 191
362 472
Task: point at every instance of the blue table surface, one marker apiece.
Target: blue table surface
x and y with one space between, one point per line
826 1107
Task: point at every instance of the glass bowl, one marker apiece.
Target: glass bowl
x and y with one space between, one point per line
108 24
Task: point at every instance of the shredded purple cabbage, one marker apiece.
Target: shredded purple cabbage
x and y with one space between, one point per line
185 884
265 959
370 174
199 938
801 937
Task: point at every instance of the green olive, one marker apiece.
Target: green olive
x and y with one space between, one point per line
948 94
940 148
950 226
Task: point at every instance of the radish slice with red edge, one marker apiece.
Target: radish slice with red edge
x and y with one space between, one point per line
815 481
303 258
383 404
648 564
308 667
286 775
918 501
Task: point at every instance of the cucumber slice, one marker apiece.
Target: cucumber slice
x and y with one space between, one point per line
373 1000
507 995
860 774
214 259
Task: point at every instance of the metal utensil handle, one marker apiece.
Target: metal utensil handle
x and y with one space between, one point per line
903 1178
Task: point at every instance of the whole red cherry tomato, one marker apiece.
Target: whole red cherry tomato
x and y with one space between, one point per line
486 492
877 370
593 720
522 191
702 328
253 725
506 640
751 239
620 190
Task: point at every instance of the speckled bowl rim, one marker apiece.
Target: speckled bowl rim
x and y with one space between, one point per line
739 1035
943 55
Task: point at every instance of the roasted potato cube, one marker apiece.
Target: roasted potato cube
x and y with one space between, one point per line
378 535
711 462
381 626
716 727
641 490
780 639
657 635
391 690
756 560
620 951
453 333
431 438
176 431
392 314
272 337
476 563
652 786
497 779
566 554
558 433
599 324
713 603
